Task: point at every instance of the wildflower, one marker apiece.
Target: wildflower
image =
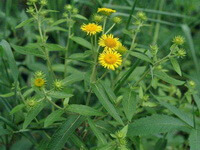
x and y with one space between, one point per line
181 53
58 84
106 11
110 59
178 40
97 18
121 49
39 82
117 20
109 42
91 28
39 79
142 16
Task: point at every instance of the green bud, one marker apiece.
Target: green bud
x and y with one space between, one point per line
75 11
68 7
65 14
142 16
58 84
31 102
117 20
181 53
191 84
43 2
178 40
154 49
97 18
30 10
39 74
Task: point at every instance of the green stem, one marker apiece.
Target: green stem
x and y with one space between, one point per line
66 51
110 28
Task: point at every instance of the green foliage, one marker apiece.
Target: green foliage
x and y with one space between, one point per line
65 85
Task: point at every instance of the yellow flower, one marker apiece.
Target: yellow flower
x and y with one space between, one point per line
110 59
106 11
39 82
109 42
91 28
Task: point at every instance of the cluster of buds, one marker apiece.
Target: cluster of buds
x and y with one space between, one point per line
32 6
175 48
70 10
120 137
140 18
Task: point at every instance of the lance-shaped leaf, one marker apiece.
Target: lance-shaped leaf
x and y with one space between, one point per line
194 139
62 134
102 97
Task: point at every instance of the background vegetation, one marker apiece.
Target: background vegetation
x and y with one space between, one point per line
166 19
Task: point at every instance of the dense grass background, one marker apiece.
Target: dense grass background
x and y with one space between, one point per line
167 18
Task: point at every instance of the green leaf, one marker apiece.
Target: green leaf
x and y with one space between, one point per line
197 100
11 60
154 124
54 116
78 142
129 104
57 94
4 132
83 110
194 139
7 95
80 17
59 22
75 77
163 76
176 66
97 133
55 28
29 50
140 56
33 113
54 47
28 21
100 93
81 42
182 115
62 134
17 108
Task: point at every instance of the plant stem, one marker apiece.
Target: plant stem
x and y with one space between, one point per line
66 51
110 28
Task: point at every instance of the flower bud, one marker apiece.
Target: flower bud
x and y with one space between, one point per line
31 102
68 7
58 84
181 53
142 16
75 11
154 49
97 18
43 2
117 20
121 49
178 40
30 10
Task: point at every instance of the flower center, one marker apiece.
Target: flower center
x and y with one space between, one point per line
91 28
110 42
39 82
110 59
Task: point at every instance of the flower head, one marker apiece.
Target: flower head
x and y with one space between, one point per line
178 40
106 11
110 59
109 42
142 16
39 82
91 28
